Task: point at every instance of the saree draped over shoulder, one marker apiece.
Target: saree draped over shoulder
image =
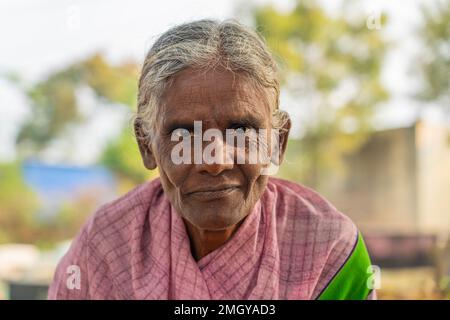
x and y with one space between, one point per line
293 245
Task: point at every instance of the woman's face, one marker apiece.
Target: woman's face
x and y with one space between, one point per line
219 195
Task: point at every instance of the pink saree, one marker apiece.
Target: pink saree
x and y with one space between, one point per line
289 247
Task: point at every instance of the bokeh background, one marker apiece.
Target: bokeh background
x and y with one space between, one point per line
366 84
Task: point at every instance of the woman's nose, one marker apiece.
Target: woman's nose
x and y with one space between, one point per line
217 157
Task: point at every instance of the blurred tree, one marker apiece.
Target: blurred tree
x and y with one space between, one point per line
19 222
331 65
55 108
115 83
54 105
123 157
434 61
71 217
17 205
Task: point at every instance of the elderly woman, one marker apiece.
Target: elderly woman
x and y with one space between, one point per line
220 228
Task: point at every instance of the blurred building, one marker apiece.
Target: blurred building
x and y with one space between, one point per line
398 183
397 191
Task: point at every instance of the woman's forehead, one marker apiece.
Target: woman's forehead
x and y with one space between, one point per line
175 117
223 94
218 84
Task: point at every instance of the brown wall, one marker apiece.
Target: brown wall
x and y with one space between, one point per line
399 182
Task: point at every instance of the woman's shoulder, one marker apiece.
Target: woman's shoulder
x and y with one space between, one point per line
115 220
301 205
139 197
298 194
102 248
322 236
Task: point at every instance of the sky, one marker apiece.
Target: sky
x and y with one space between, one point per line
41 36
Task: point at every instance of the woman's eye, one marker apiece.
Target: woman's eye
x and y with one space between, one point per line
241 129
181 133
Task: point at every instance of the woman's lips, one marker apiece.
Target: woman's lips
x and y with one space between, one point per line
207 195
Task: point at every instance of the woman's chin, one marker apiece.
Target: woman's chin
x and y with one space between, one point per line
215 220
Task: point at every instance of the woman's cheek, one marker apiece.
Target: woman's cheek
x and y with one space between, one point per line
175 173
255 182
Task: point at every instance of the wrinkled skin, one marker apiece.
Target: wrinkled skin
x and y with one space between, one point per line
221 100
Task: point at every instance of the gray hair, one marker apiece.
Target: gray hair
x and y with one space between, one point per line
203 45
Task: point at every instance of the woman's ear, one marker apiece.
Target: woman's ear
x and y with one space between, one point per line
279 139
284 135
144 147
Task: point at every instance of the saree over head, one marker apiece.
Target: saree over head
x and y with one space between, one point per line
293 245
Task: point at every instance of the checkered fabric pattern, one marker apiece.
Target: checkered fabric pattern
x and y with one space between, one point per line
289 247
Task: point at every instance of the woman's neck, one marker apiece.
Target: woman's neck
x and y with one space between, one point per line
205 241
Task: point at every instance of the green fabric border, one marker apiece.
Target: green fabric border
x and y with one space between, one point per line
350 282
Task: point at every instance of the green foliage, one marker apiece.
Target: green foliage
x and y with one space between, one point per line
19 212
55 105
17 205
55 108
117 84
434 61
320 55
123 157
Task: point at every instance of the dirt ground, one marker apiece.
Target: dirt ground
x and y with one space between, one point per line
411 283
